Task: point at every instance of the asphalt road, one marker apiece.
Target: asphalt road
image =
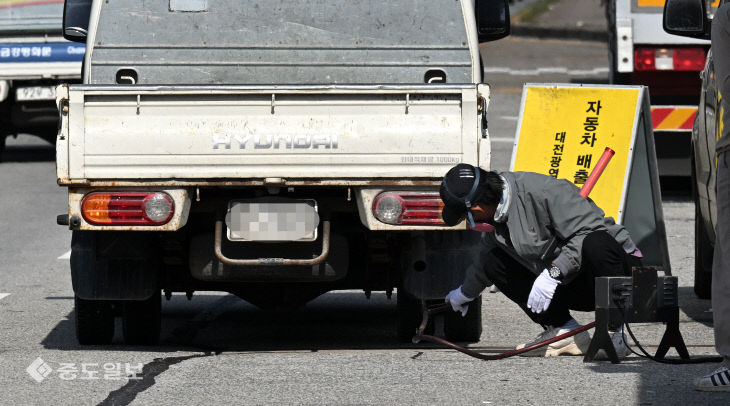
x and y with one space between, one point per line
341 348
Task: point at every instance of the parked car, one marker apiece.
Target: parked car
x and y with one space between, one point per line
34 59
690 18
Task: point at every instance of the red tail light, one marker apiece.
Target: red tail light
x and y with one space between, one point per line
644 59
678 59
689 59
127 208
409 208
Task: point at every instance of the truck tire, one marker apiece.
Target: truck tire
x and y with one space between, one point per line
703 246
141 320
703 258
94 321
409 316
467 328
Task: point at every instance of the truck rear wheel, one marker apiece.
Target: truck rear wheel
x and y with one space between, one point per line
141 320
703 258
94 321
703 246
467 328
456 327
409 316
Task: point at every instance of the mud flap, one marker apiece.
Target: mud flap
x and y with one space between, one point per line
437 262
109 265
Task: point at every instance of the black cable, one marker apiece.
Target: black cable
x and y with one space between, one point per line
626 342
671 361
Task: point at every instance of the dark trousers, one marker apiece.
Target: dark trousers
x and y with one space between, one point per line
601 256
721 261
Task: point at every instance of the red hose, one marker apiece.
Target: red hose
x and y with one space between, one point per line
507 354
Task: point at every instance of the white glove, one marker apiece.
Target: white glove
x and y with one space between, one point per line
457 300
542 292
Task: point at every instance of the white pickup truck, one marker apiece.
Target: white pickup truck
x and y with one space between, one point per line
273 151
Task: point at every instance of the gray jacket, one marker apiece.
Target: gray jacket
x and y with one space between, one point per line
538 208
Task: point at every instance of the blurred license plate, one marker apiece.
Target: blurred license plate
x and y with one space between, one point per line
272 221
35 93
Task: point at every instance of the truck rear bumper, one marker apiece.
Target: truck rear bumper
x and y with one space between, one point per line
672 138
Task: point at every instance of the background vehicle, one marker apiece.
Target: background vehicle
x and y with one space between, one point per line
704 138
34 59
186 143
641 53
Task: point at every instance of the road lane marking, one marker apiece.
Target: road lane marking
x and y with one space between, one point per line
66 255
545 70
4 295
502 139
511 118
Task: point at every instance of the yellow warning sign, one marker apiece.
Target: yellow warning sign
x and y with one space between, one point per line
564 130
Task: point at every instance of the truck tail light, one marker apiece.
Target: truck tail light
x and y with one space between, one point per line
409 208
644 59
127 208
677 59
689 59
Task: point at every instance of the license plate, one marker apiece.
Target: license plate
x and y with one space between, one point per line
249 220
35 93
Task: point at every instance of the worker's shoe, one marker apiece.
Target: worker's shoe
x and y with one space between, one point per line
573 345
619 343
718 381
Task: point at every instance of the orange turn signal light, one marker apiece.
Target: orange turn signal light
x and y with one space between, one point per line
127 208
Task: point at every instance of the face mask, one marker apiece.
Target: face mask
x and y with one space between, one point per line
480 227
471 224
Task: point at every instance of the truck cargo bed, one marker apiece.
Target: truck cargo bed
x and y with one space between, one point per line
331 133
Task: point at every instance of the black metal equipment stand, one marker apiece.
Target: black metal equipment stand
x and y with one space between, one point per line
672 338
641 298
601 339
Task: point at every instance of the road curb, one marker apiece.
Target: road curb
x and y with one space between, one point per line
525 30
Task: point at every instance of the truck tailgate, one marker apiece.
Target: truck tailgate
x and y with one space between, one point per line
252 132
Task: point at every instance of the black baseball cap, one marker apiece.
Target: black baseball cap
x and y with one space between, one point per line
458 189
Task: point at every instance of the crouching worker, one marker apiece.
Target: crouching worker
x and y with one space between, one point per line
525 210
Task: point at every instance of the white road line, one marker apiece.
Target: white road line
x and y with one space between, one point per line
67 255
511 118
545 70
502 139
4 295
